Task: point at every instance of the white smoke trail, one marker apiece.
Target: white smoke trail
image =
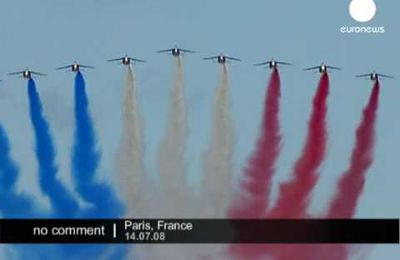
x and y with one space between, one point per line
133 185
176 196
178 200
135 189
171 156
218 187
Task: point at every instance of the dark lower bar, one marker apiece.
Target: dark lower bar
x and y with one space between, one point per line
360 231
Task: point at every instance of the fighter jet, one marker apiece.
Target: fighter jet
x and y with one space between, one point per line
75 67
26 74
221 58
323 68
374 76
126 60
272 64
176 51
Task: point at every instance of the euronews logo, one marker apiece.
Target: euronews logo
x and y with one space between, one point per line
362 11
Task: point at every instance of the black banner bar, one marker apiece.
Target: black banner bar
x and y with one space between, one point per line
199 231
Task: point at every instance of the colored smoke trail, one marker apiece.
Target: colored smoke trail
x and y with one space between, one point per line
177 200
352 181
130 164
293 198
12 203
351 184
217 187
171 155
255 187
294 195
85 160
63 204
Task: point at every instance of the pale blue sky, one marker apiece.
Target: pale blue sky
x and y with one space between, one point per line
44 34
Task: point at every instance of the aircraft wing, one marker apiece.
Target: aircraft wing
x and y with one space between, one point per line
15 73
334 68
312 68
161 51
363 75
210 58
38 73
262 63
385 76
86 66
137 60
64 67
232 58
116 59
188 51
283 63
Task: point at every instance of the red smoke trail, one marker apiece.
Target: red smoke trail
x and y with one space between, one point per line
294 195
350 186
255 188
352 182
253 199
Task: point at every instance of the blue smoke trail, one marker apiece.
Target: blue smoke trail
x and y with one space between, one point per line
12 204
17 205
63 204
85 161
